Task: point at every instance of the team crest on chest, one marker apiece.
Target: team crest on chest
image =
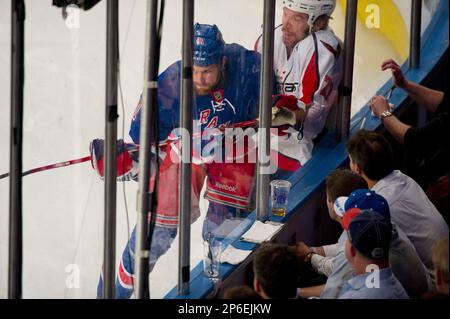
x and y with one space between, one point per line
217 95
220 103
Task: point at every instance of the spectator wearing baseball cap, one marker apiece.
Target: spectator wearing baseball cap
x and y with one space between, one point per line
367 249
329 260
404 261
371 157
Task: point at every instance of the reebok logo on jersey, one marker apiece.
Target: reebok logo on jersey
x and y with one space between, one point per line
226 187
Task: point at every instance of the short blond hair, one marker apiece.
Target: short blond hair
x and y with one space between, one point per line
440 257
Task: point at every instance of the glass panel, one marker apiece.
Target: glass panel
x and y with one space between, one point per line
382 32
220 100
429 8
63 111
230 180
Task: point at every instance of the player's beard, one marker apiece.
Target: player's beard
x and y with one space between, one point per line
206 89
290 39
202 90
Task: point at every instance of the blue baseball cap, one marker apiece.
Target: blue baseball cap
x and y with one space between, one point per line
364 199
208 45
369 232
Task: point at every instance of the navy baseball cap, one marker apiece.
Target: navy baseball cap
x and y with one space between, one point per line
208 45
369 232
364 199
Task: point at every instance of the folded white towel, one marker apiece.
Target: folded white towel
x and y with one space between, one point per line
260 232
233 255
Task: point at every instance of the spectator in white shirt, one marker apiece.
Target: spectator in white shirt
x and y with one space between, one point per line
340 182
371 157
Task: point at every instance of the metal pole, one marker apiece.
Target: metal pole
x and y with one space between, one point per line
184 203
345 105
112 54
15 159
414 49
416 29
265 116
146 137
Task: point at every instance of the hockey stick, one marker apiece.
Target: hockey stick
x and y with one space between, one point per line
88 158
52 166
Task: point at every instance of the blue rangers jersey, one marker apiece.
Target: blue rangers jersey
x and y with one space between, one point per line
234 100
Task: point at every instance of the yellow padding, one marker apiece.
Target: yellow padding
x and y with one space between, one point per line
392 24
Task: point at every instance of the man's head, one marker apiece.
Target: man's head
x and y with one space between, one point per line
276 268
208 57
440 261
370 155
341 182
300 16
369 238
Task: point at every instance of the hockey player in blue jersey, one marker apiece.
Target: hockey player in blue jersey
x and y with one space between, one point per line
226 82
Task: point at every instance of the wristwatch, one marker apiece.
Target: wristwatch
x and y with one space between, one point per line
385 114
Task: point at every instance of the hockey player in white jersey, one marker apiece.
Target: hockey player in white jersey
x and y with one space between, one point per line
307 65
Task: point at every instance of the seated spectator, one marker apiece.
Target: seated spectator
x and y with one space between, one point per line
340 182
367 249
405 263
420 142
371 157
241 292
276 270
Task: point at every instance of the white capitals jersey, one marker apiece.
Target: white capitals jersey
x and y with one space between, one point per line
312 73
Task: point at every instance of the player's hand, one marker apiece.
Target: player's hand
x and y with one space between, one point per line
282 117
127 159
283 110
397 74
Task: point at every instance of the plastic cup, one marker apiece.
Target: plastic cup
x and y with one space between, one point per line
211 258
279 190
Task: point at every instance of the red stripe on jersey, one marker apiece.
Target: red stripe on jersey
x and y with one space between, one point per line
285 163
309 81
126 278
